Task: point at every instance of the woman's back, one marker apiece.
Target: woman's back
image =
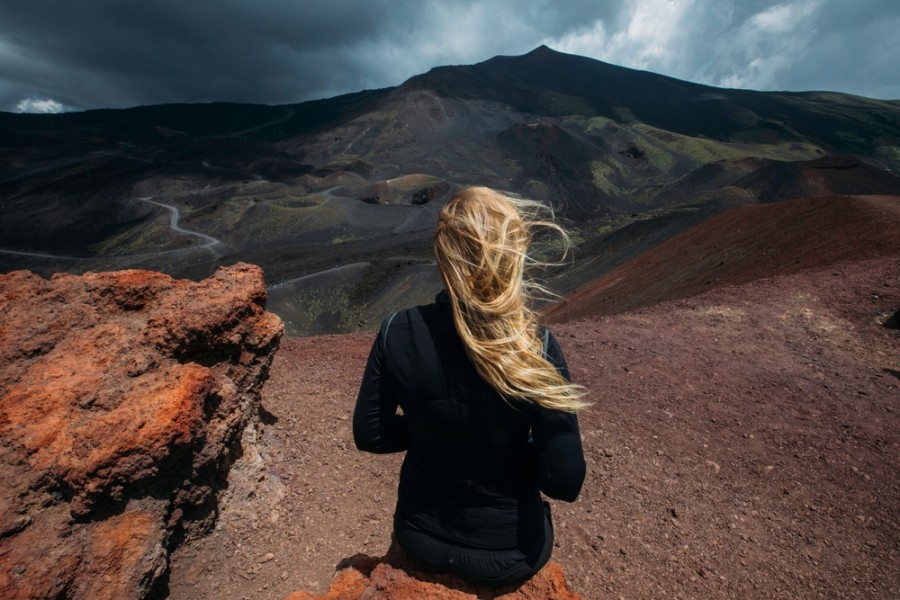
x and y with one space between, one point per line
487 409
471 474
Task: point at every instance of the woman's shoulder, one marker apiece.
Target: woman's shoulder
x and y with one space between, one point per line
416 320
435 311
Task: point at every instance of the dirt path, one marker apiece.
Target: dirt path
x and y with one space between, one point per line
207 241
742 444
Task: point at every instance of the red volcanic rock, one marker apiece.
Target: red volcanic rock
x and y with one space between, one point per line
122 396
392 577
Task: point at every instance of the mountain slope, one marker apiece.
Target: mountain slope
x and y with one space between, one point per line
546 82
741 245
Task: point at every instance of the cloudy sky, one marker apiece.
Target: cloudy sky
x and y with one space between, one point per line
64 54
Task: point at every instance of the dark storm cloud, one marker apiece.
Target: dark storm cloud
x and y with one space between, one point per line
114 53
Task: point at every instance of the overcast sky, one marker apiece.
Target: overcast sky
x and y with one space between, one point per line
65 54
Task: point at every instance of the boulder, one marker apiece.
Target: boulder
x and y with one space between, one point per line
123 396
394 577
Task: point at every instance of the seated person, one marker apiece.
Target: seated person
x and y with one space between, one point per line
488 410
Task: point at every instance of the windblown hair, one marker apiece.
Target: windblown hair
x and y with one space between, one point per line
481 244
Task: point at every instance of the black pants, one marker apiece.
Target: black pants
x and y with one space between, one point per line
489 567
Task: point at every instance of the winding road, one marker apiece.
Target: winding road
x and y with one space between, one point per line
41 255
207 242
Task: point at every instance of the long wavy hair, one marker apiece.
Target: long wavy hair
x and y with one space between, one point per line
481 244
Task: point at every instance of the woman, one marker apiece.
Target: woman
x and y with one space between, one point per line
488 411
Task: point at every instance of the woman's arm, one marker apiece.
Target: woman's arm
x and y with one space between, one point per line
560 459
376 425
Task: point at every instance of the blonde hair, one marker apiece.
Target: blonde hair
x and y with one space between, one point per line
481 244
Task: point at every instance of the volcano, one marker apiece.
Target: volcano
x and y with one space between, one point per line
336 198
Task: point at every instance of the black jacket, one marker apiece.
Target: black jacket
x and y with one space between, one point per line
476 464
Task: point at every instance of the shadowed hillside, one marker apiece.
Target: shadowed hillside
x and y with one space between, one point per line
546 82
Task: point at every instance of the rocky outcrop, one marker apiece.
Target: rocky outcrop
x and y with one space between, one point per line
123 397
393 577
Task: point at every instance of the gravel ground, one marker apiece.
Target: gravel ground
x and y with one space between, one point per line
741 444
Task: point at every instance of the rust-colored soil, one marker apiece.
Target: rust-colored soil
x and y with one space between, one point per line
741 245
742 444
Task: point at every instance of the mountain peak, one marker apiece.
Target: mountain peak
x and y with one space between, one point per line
542 49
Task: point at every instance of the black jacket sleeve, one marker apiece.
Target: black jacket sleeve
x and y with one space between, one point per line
376 425
560 458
